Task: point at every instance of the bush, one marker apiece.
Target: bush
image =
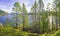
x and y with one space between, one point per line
57 33
9 31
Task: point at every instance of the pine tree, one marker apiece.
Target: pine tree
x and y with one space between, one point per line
34 17
17 9
40 11
25 17
57 8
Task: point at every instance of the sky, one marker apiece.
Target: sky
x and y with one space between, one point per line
7 5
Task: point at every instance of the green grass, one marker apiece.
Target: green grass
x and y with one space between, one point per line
10 31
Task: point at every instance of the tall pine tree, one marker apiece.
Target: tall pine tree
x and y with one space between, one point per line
25 17
17 9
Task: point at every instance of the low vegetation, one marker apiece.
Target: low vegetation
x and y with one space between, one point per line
10 31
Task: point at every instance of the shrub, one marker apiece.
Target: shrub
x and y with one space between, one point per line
57 33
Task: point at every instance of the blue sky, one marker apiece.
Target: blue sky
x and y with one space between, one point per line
8 4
